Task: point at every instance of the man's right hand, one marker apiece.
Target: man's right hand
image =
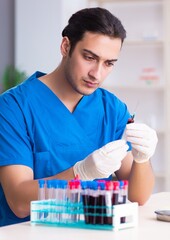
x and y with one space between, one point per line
102 162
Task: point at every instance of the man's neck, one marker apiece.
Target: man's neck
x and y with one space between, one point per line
56 82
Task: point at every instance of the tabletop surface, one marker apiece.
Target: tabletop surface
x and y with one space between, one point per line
148 228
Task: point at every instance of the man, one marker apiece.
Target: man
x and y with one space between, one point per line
61 124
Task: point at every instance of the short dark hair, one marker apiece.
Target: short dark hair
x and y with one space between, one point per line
96 20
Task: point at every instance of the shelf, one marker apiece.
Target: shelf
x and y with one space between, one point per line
160 131
133 87
151 42
159 174
126 1
145 48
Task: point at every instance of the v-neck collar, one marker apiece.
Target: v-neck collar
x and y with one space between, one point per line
50 92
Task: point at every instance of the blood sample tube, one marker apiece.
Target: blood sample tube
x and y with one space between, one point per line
115 193
108 201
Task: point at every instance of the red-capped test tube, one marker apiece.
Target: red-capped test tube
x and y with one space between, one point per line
115 194
125 192
131 119
74 190
108 201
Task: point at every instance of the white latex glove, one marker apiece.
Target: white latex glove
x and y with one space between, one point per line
102 162
143 140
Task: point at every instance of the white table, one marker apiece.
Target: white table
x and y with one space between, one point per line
149 227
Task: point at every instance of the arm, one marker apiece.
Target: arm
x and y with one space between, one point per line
20 188
141 182
140 177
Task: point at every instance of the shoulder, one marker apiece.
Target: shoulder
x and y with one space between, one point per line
15 100
110 98
114 106
19 93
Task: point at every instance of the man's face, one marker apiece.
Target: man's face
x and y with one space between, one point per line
91 61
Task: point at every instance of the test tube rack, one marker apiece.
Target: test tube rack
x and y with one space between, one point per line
76 215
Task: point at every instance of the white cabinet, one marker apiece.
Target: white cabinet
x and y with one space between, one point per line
142 76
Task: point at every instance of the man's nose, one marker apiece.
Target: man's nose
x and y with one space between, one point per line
96 72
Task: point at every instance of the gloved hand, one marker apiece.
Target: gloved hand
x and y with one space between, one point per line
143 140
102 162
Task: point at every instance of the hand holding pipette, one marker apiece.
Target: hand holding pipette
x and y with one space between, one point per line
142 138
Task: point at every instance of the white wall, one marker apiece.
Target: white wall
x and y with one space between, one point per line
38 27
6 36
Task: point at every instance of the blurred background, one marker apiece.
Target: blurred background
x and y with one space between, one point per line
30 36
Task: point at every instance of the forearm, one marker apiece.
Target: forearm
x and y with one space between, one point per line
31 187
141 182
21 189
21 196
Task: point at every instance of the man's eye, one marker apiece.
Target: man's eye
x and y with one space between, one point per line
109 64
89 58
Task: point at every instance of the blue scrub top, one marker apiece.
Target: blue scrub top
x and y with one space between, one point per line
38 131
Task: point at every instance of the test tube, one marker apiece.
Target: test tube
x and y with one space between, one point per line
101 209
78 188
93 197
85 199
63 200
41 190
74 199
41 197
115 193
50 190
57 200
123 196
125 193
108 201
121 192
131 119
49 196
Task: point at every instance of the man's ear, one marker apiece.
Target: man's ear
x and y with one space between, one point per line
65 46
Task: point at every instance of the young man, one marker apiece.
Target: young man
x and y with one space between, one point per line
61 124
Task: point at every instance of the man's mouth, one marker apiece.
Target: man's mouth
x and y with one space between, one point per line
91 84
